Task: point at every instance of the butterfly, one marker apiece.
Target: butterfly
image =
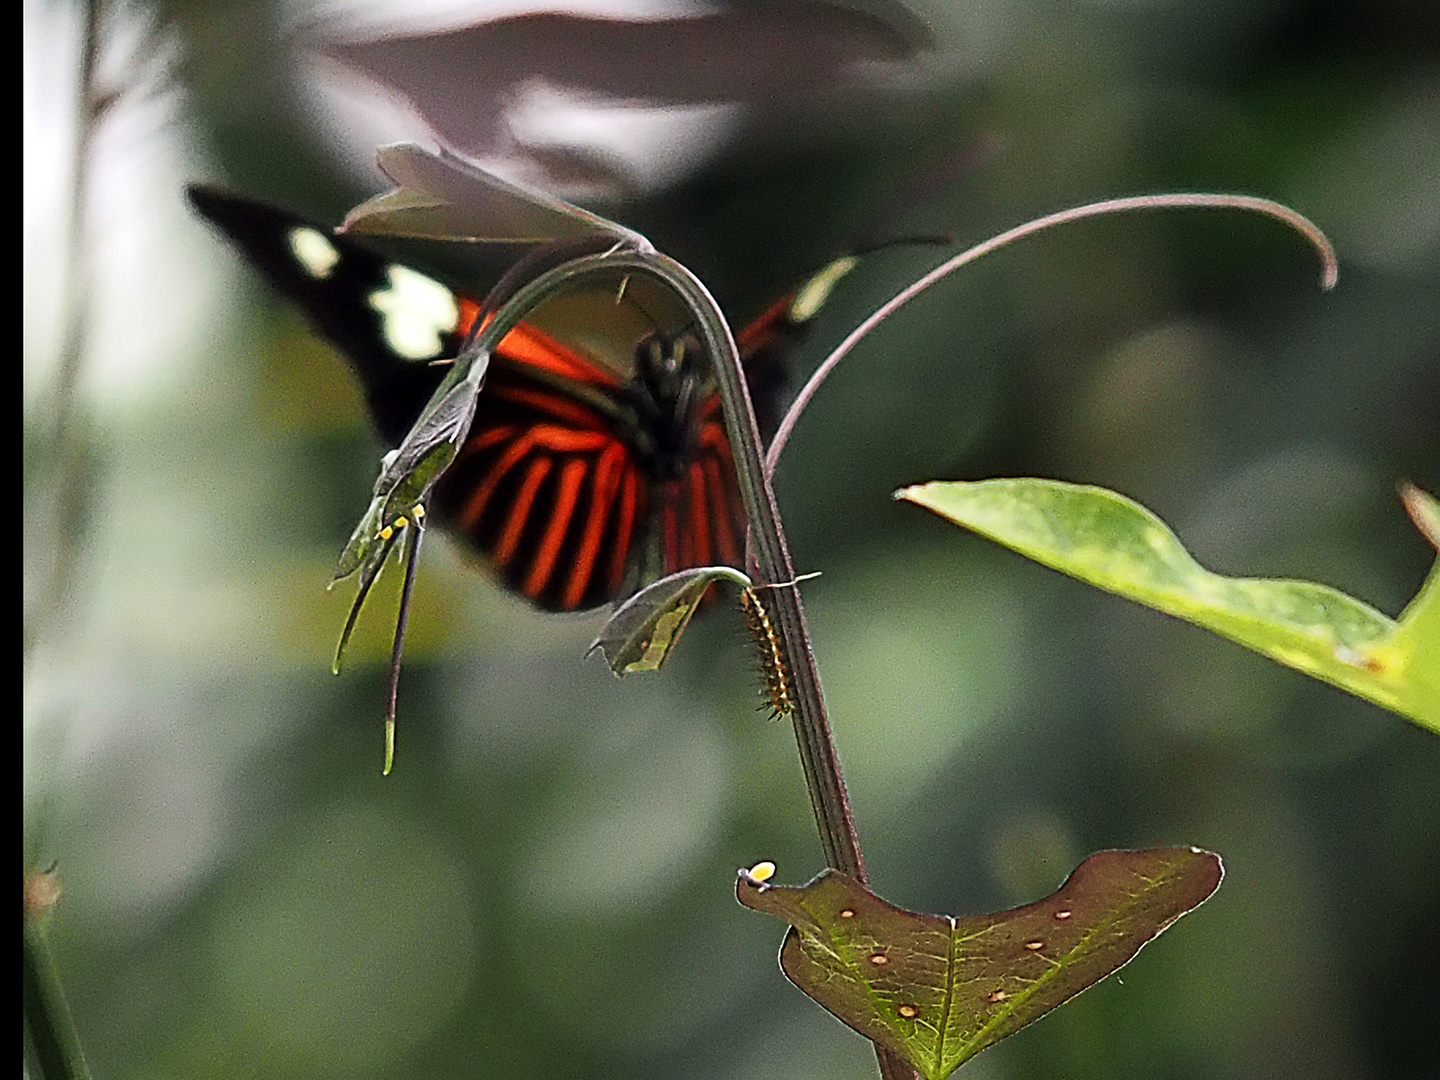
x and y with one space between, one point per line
583 475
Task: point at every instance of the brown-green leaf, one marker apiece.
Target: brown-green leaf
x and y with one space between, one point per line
937 989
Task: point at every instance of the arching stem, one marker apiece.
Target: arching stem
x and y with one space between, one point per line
1330 272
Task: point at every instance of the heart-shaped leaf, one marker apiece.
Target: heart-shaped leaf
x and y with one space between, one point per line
643 630
1116 544
937 989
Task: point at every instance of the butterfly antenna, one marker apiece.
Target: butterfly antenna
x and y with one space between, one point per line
918 240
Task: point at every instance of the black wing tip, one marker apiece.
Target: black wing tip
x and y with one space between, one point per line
230 211
207 199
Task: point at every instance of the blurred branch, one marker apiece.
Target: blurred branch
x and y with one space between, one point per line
49 1029
61 452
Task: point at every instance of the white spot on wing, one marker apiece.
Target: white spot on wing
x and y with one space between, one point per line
817 290
416 311
314 252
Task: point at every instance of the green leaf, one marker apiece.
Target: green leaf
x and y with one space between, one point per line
643 630
370 560
937 989
1111 542
397 497
409 471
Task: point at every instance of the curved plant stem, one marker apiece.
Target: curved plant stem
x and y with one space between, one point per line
772 558
772 555
1330 272
818 758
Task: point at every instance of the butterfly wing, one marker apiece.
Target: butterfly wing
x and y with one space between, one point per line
353 297
553 485
546 487
702 518
767 343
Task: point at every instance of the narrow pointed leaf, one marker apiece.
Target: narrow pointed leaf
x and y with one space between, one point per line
937 989
365 540
397 494
1109 541
413 467
415 533
370 566
643 630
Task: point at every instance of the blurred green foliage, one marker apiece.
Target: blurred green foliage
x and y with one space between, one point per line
543 886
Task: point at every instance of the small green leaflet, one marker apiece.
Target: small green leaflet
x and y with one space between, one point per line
643 630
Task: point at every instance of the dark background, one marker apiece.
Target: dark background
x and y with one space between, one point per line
544 885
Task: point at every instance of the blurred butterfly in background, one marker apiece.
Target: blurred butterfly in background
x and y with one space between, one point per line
598 458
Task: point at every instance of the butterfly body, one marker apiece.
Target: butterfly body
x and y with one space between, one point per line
583 475
578 491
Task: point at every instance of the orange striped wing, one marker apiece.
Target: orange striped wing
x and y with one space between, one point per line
561 485
559 494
